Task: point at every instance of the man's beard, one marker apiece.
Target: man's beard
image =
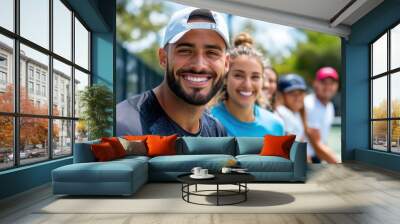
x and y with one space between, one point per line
195 98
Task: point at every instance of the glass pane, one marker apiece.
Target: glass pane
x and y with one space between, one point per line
379 135
81 81
6 142
62 29
62 138
379 98
81 131
6 74
7 14
35 21
395 138
62 89
34 97
81 45
379 55
33 139
395 47
395 94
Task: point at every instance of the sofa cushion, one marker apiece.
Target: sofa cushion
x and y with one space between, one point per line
132 159
116 145
249 145
135 137
185 163
83 152
112 171
161 145
257 163
134 147
206 145
277 145
103 152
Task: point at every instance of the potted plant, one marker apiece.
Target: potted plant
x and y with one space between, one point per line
96 102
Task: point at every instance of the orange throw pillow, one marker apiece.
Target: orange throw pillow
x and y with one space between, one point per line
103 152
116 145
135 137
161 145
277 145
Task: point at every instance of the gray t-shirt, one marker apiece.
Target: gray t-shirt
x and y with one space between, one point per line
142 115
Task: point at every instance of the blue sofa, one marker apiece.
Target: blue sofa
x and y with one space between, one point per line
125 176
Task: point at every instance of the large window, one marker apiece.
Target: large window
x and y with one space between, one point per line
385 94
44 64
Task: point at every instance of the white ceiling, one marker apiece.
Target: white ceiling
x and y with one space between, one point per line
327 16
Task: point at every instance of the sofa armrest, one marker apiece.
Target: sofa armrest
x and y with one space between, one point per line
83 152
298 155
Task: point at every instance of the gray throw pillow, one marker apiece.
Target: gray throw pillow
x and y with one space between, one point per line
136 147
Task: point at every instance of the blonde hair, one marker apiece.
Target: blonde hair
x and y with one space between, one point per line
243 39
243 43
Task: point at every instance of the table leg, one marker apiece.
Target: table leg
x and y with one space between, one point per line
188 189
245 191
217 194
182 189
196 188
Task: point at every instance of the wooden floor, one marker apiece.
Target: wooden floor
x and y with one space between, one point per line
379 189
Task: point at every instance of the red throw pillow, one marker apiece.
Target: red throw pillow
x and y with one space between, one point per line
103 152
161 145
116 145
277 145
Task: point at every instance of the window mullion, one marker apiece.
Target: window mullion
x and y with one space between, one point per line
371 89
389 106
50 81
16 69
73 83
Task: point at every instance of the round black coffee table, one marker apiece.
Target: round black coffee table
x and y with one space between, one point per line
238 179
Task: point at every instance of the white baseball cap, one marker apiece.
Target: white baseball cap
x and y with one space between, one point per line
179 25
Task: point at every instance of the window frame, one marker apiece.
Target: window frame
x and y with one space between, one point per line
16 115
388 74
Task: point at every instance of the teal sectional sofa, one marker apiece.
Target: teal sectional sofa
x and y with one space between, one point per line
125 176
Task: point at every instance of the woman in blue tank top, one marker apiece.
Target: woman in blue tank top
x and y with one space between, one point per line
237 109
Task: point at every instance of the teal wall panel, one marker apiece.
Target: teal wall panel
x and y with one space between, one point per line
24 178
356 127
356 96
377 158
102 58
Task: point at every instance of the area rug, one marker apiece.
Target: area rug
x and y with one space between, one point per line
167 198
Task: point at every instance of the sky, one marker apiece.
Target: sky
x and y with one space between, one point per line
379 62
277 39
35 27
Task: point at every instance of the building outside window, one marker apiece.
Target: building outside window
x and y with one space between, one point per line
38 89
37 75
58 125
30 87
44 78
43 90
3 78
3 61
30 72
3 72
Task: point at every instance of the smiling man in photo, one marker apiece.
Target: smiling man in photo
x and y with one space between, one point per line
194 57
